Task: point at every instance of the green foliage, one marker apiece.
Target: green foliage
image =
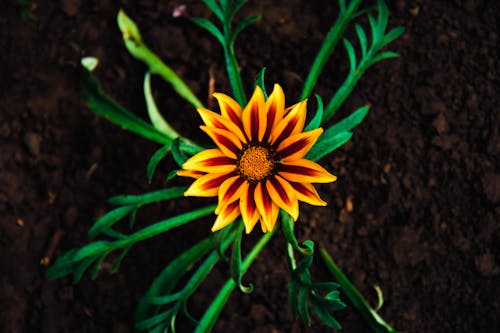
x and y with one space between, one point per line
226 35
236 263
370 54
77 261
316 121
370 315
154 114
157 157
104 106
139 50
323 298
260 82
150 315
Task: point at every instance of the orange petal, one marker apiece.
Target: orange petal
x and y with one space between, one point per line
225 140
283 195
231 190
292 123
253 121
297 146
305 171
190 173
212 119
210 161
229 108
227 215
249 211
307 193
268 210
274 111
207 186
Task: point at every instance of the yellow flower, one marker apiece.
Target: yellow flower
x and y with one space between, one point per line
258 165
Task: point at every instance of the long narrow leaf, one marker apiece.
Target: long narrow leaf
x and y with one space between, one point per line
104 106
147 198
154 114
328 144
110 218
156 159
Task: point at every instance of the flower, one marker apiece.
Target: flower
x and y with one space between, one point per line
258 166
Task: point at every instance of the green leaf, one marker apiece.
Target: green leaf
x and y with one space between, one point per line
302 305
64 265
160 300
349 122
140 51
287 224
210 27
373 28
259 81
362 39
98 264
154 114
81 268
189 148
154 320
383 17
293 288
118 260
214 7
93 249
316 121
326 144
392 35
236 265
242 25
325 286
147 198
172 174
382 56
325 316
155 160
170 275
351 54
109 219
105 107
177 154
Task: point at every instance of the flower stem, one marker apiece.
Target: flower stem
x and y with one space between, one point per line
210 316
345 16
377 324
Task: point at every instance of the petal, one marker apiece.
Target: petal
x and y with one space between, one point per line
190 173
225 140
292 123
229 109
210 161
268 210
307 193
207 186
249 211
297 146
230 191
283 195
305 171
252 116
274 111
227 215
212 119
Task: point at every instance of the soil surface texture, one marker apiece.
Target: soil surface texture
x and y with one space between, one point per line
415 209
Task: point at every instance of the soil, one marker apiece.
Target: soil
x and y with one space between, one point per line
415 209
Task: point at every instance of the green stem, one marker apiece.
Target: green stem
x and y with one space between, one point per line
328 45
210 317
377 324
346 88
233 71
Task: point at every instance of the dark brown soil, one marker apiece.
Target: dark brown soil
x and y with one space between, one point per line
422 171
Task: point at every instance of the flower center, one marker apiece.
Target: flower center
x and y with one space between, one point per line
256 163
